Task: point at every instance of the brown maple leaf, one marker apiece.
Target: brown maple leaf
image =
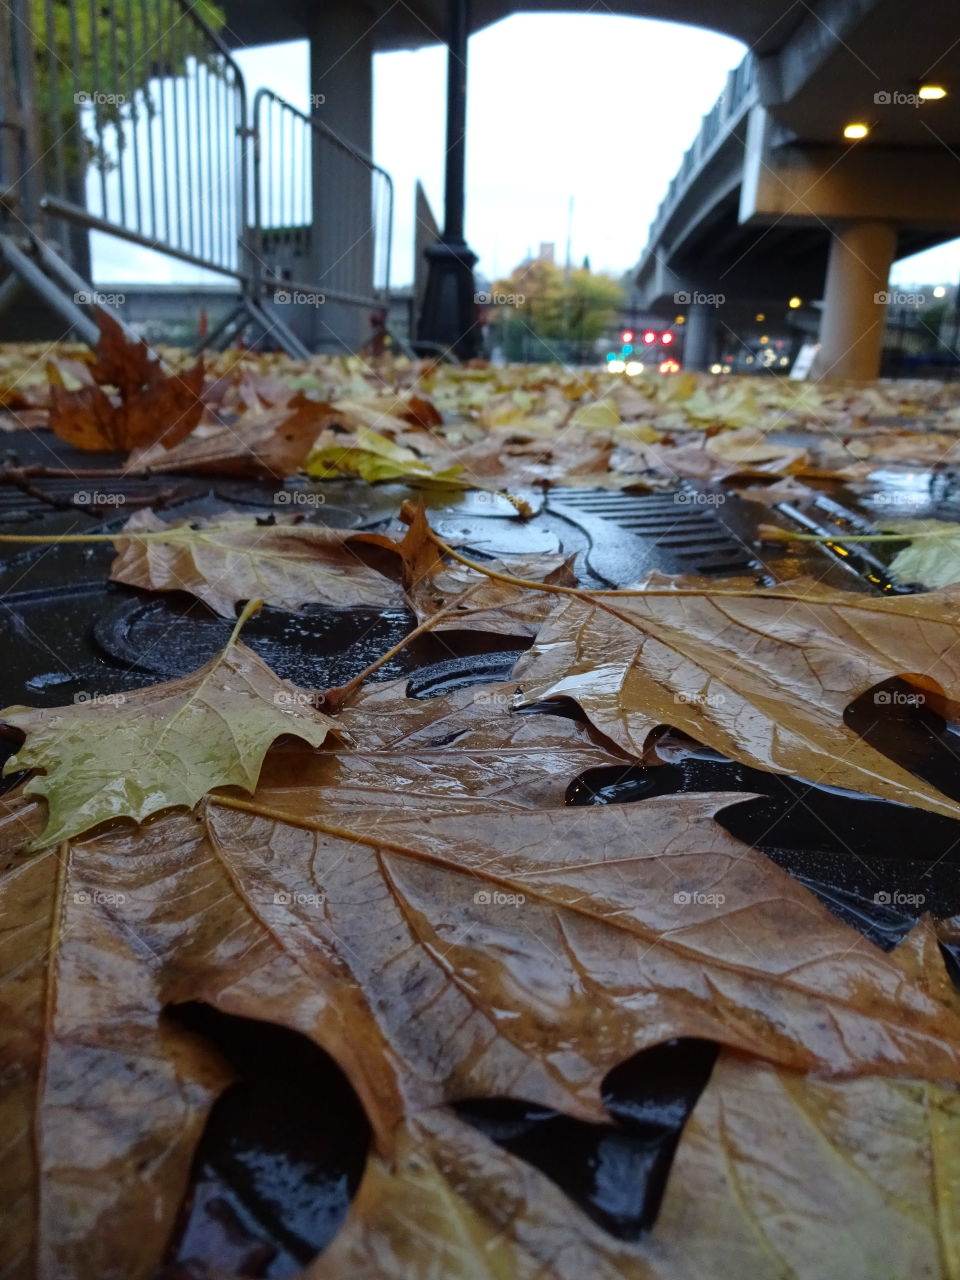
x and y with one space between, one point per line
132 401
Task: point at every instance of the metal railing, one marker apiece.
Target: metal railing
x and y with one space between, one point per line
142 127
322 209
130 117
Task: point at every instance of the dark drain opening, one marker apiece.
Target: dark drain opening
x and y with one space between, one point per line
616 1173
280 1159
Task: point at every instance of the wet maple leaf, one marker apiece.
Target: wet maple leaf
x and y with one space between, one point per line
131 402
133 755
763 677
234 558
777 1177
421 905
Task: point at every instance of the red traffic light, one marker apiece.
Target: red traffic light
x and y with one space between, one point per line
649 337
627 335
666 339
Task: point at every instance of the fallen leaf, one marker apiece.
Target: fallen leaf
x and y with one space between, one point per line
761 676
136 754
931 562
500 607
777 1177
271 442
146 405
748 446
373 457
103 1100
234 558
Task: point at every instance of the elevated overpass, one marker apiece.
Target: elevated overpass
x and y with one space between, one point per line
772 202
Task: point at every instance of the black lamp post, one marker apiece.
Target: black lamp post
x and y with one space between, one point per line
449 316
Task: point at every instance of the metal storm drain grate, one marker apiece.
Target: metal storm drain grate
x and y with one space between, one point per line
678 532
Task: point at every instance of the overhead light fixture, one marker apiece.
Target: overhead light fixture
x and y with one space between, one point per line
856 130
931 92
795 302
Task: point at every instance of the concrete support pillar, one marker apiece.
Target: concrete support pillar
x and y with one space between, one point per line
853 320
341 97
698 337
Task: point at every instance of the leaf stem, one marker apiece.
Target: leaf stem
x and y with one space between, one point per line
334 699
767 534
251 607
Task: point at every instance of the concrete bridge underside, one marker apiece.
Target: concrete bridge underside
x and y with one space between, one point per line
780 205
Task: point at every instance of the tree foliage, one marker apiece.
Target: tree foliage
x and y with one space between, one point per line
551 304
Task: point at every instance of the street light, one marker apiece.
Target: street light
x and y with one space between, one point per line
931 92
795 302
856 130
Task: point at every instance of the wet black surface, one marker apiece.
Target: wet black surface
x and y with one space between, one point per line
280 1159
616 1173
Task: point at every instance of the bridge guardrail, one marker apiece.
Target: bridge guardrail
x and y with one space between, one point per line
738 93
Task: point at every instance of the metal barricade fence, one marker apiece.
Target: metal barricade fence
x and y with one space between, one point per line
129 117
142 130
323 210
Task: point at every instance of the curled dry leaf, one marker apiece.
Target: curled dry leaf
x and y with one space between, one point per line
131 401
271 442
371 456
762 676
234 558
165 746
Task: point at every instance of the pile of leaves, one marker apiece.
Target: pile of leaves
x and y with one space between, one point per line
401 880
391 418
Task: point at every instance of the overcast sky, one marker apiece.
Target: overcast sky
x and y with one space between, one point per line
592 106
